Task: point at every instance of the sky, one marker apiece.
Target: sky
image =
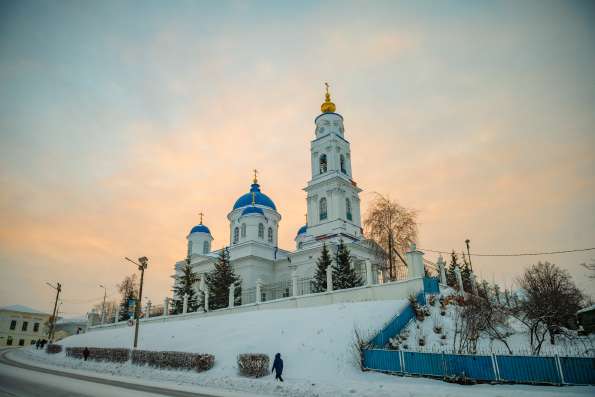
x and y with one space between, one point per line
120 121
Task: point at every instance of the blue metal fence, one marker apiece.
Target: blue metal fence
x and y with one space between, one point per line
515 369
578 370
528 369
393 328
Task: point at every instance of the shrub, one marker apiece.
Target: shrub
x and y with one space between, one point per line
53 348
254 365
113 355
174 360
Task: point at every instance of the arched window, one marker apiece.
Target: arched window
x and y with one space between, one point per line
322 208
300 245
270 235
323 164
189 247
261 231
348 209
205 247
342 159
243 230
236 235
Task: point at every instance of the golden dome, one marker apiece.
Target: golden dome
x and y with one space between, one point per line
327 106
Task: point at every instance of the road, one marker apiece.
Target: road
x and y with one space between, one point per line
23 380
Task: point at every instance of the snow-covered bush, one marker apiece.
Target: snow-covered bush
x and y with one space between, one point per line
53 348
254 365
174 360
100 354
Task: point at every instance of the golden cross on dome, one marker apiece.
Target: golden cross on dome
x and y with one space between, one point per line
327 86
255 174
201 214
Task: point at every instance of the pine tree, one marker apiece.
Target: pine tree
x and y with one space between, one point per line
319 283
129 290
344 276
185 285
219 279
466 274
451 277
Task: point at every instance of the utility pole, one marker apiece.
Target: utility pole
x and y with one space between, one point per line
468 254
58 289
144 261
103 306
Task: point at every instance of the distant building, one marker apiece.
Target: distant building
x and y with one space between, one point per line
22 325
586 320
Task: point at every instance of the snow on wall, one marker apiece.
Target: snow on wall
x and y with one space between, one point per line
315 342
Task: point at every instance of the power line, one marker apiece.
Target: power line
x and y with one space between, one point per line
517 254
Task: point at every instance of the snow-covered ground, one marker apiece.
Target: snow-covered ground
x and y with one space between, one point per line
315 344
518 342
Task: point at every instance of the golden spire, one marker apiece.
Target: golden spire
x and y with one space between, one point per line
201 214
255 173
327 106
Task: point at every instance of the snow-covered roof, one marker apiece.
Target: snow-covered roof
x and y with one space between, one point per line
22 309
586 309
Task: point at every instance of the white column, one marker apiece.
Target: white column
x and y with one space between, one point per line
459 279
206 291
148 309
232 295
294 283
258 287
473 280
329 279
415 262
442 269
185 304
166 307
369 280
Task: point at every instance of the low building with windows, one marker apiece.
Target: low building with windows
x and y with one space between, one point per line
333 215
22 325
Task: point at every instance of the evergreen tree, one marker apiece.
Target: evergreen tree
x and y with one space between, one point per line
219 279
466 274
344 276
129 290
319 283
451 277
185 285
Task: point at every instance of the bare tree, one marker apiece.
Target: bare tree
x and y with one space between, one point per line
551 299
391 228
128 288
111 307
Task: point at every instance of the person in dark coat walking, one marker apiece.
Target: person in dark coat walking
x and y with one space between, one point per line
278 367
86 353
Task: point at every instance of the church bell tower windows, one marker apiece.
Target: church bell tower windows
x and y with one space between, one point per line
348 209
236 235
322 209
323 164
270 235
261 231
342 159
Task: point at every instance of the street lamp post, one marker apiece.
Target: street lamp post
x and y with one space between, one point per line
103 306
144 261
468 254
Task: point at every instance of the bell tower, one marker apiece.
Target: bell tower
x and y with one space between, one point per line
333 196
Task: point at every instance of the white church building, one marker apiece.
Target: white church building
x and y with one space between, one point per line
333 214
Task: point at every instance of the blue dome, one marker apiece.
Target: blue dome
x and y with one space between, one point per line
259 198
302 230
200 229
252 210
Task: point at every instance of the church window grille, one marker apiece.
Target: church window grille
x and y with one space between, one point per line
36 327
323 164
25 326
348 209
342 159
270 235
243 230
236 235
261 231
205 247
323 213
13 324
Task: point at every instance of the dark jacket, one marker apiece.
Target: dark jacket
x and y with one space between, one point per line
278 364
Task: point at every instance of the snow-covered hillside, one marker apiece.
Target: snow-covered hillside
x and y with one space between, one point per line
314 342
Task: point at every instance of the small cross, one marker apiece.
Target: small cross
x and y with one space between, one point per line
201 214
327 86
